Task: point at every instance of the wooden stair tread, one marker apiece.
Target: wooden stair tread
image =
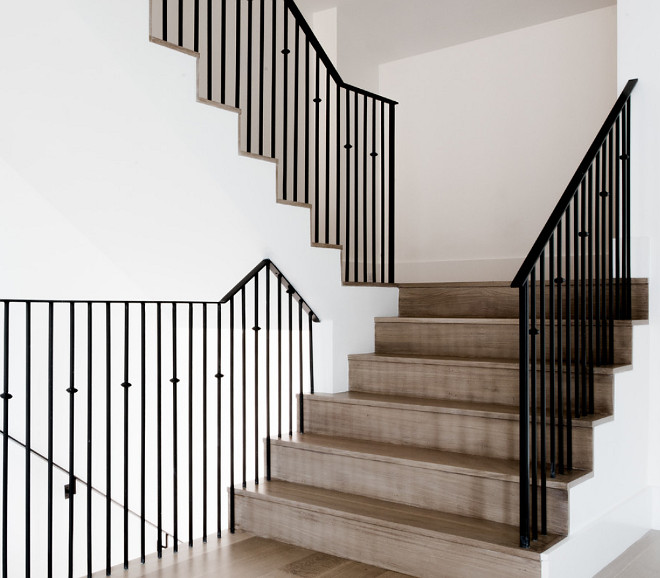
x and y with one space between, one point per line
485 321
440 525
447 406
486 362
466 464
458 284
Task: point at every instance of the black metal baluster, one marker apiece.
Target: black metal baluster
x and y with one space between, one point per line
196 29
327 157
317 144
71 390
165 20
577 294
338 239
552 321
296 110
159 428
6 396
205 485
356 195
604 194
143 427
543 394
223 54
237 86
256 330
307 121
561 366
218 434
569 349
524 416
28 439
628 252
617 219
279 356
365 235
268 374
232 514
190 420
285 104
249 76
126 385
209 52
590 344
273 79
301 407
180 23
347 146
392 196
311 355
175 432
108 438
290 292
374 154
584 233
532 404
382 191
597 194
262 39
611 251
243 387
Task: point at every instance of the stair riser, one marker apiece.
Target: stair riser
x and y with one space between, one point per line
477 497
490 301
419 554
464 383
482 436
469 340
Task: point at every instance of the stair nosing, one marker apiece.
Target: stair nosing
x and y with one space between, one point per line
486 321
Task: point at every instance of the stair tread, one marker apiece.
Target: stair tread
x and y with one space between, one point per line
458 284
450 527
489 410
466 464
487 362
484 321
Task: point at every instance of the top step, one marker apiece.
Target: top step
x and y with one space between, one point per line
488 299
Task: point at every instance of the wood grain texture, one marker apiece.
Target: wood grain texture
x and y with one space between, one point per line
488 381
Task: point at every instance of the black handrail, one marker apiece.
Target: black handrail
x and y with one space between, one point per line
560 209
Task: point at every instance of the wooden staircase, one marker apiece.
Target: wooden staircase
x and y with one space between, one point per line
415 468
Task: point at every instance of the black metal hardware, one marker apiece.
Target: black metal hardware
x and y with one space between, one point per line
587 239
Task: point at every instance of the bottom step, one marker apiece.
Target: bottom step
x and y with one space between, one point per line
385 534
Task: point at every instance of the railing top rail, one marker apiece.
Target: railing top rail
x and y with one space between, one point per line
108 301
306 28
564 201
267 263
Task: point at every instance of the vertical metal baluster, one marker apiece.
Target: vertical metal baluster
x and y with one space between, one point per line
301 407
590 345
584 233
628 218
347 146
279 356
190 428
6 396
543 408
617 218
126 385
273 79
223 54
143 427
604 357
218 424
296 108
311 355
365 235
374 154
262 39
205 485
232 474
268 373
285 104
196 25
175 432
317 151
209 51
290 292
532 404
307 146
577 301
28 438
523 306
552 360
561 366
249 76
356 218
338 239
569 350
327 157
108 438
610 299
237 86
382 191
71 390
165 20
256 377
243 389
180 23
596 257
159 427
391 195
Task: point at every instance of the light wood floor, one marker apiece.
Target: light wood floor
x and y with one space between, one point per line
243 555
641 560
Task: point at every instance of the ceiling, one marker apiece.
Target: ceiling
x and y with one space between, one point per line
389 30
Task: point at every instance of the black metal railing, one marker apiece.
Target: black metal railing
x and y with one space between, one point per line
265 402
334 142
118 400
574 284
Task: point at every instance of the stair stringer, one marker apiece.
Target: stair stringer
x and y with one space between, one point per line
612 510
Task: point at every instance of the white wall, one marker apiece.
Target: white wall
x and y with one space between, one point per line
639 55
489 134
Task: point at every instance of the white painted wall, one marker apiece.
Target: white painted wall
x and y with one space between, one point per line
638 57
489 134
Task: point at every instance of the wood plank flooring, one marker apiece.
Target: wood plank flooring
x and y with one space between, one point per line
243 555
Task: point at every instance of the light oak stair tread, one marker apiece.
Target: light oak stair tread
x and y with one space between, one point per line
486 362
448 527
465 464
447 406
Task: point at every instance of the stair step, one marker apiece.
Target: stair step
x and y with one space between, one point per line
487 299
482 429
467 485
468 338
479 379
393 536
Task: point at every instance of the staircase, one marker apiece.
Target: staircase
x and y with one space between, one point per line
415 468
